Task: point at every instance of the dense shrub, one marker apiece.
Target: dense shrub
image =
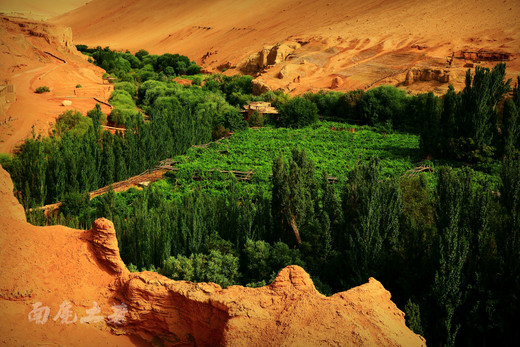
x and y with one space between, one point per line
127 87
337 104
75 204
297 113
256 119
124 107
72 122
384 103
213 267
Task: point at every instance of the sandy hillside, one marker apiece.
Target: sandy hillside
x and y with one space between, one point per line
51 265
34 54
340 44
39 9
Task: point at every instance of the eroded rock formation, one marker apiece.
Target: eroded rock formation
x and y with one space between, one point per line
269 56
428 74
259 86
9 204
483 55
58 37
85 266
104 240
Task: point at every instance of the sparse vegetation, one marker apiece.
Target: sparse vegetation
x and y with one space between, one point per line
42 89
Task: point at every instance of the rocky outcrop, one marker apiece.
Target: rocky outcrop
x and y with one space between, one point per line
482 55
336 82
104 241
259 87
58 37
427 74
10 206
269 56
290 311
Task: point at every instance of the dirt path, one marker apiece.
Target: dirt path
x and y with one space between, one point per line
121 186
21 117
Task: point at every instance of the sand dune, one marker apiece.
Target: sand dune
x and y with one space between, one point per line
363 43
39 9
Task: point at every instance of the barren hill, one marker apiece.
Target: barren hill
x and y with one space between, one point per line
34 54
43 268
300 45
38 9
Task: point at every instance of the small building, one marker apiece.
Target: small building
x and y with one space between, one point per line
143 184
262 107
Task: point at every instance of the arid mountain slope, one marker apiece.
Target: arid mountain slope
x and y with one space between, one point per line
338 44
39 9
33 54
52 265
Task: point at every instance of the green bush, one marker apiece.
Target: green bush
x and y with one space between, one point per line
297 113
142 53
78 85
127 87
213 267
121 98
42 89
124 107
256 119
72 122
75 204
384 103
120 116
5 159
196 80
193 69
144 88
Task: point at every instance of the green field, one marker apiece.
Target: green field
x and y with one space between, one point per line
336 152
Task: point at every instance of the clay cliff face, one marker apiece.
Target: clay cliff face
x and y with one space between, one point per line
50 265
24 40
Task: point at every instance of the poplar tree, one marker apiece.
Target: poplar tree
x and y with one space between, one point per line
372 209
479 100
428 107
452 250
107 159
448 124
30 166
294 193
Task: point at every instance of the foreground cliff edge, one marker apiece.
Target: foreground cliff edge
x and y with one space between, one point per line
65 286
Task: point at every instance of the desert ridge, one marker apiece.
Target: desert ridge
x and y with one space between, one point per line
343 45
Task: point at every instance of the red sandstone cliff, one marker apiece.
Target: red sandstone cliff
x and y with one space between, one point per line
49 265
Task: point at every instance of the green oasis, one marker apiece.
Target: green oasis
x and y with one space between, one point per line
421 192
